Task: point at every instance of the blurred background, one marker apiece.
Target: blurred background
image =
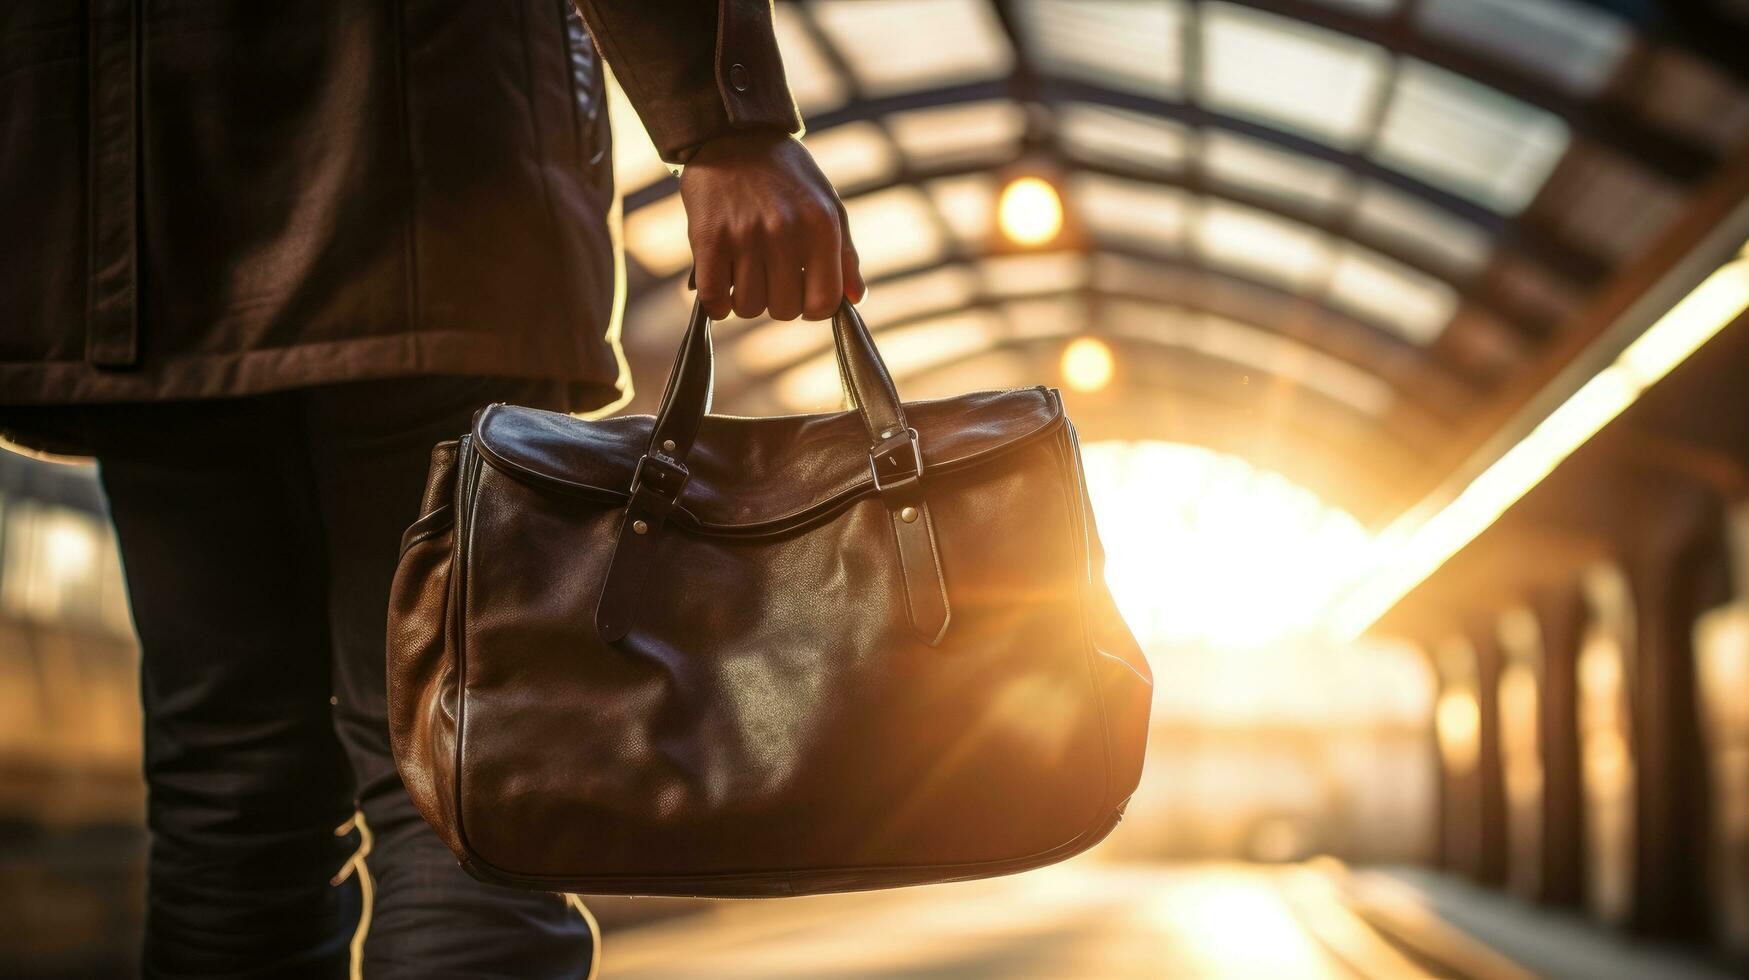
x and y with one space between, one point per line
1406 340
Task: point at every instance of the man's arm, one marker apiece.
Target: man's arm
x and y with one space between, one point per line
768 232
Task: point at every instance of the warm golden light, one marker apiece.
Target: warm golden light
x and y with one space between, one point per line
69 547
1605 753
1458 720
1029 211
1518 735
1205 548
1434 531
1087 364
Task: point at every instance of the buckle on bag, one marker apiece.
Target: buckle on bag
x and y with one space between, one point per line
660 475
897 461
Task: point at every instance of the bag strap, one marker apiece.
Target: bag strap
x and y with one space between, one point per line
895 460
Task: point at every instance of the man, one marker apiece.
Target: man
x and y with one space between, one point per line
257 258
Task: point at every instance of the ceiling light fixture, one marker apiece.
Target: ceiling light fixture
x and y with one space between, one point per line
1087 364
1030 212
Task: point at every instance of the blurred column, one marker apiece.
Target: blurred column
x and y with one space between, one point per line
1561 618
1521 758
1456 727
1492 834
1675 575
1606 762
1721 639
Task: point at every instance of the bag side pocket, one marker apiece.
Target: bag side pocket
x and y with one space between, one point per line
422 693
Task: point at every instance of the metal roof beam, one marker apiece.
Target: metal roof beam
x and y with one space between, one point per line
1673 154
1473 289
1568 259
1404 366
1710 30
1415 416
1190 373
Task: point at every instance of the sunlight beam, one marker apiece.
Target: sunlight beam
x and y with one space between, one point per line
1416 547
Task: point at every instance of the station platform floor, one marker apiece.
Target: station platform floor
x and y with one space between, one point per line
1101 921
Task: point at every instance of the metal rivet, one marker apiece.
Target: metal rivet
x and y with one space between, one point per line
640 527
887 434
738 77
668 445
908 515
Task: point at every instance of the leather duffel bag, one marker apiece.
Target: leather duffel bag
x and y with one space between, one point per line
707 655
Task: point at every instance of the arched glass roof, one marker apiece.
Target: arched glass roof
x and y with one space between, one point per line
1357 220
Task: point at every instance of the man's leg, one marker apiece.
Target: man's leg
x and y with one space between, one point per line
247 781
371 443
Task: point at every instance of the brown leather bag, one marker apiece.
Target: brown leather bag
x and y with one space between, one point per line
705 655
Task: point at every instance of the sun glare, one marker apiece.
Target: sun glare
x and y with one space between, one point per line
1204 547
1227 573
1029 211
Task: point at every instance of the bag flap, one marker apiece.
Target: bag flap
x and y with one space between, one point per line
752 475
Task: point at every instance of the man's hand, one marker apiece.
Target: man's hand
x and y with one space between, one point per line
767 230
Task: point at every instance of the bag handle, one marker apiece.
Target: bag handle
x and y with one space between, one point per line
895 460
686 399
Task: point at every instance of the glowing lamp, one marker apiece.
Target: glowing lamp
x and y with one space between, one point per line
1029 211
1087 364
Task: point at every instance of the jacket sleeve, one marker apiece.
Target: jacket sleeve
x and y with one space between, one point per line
694 69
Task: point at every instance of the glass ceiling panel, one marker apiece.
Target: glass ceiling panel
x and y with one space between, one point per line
774 343
814 83
945 288
1262 246
971 132
1247 164
1102 135
1125 44
902 45
1687 94
1278 70
989 371
655 235
1017 275
1428 231
1612 204
968 204
814 386
1532 291
1396 297
1126 274
894 230
1575 44
1371 8
853 154
1131 211
1263 351
1469 138
1061 315
1269 351
771 344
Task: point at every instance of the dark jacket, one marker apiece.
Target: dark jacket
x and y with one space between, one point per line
212 197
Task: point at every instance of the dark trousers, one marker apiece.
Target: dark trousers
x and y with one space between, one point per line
259 537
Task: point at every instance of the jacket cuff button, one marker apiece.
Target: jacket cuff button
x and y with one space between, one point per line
738 77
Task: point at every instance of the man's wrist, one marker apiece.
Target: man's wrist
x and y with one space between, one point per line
743 134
